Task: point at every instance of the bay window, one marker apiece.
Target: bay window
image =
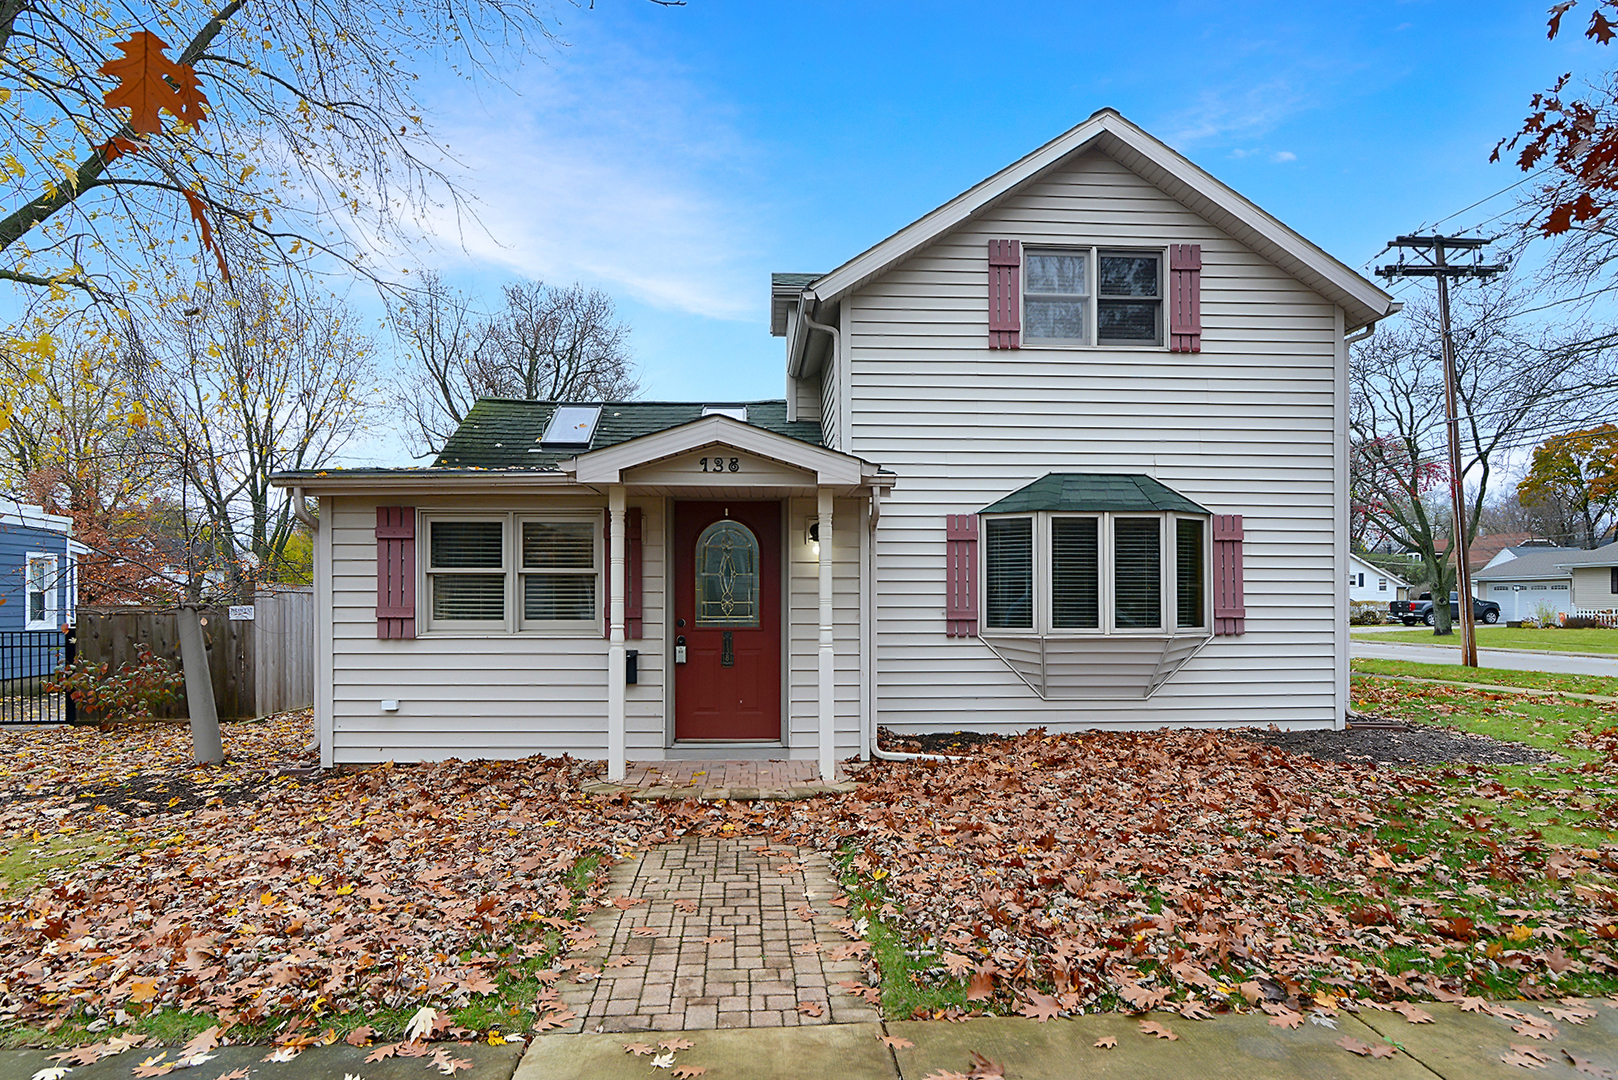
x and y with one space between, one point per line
1057 574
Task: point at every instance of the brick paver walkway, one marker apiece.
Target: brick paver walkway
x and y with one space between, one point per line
729 933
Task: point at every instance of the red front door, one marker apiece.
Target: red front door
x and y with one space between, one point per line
727 611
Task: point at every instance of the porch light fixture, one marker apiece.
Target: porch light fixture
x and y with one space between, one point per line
814 536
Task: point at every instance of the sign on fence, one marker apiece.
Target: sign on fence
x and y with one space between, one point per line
241 613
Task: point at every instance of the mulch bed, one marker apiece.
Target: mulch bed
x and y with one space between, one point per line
1414 745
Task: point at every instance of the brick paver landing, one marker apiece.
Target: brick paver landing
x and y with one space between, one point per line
725 940
720 780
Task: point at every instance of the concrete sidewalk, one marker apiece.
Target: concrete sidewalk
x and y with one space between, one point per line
1455 1046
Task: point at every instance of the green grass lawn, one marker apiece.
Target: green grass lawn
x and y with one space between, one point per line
1528 680
1501 637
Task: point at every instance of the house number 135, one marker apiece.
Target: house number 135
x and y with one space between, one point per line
719 464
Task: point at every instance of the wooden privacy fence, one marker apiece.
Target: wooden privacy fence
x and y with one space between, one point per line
259 666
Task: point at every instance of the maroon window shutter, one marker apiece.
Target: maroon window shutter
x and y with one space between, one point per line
1230 614
632 609
396 571
1185 298
1005 294
962 549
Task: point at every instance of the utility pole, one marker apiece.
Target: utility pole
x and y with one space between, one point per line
1433 251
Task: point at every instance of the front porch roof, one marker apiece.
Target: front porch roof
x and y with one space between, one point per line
828 467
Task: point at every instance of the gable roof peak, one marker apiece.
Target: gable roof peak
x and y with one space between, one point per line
1110 132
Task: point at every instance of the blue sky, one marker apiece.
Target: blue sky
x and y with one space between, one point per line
674 157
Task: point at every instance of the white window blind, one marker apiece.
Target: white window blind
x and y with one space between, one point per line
459 547
1188 573
42 592
1009 573
1075 573
560 575
1137 573
1056 296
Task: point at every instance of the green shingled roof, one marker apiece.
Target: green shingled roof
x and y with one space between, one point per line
1075 492
499 433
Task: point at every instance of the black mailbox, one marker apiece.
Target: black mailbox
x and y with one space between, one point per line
631 666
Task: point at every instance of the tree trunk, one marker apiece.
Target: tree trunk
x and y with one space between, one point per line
206 745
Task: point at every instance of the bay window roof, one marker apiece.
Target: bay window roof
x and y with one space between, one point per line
1120 493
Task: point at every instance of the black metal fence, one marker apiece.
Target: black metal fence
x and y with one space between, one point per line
28 659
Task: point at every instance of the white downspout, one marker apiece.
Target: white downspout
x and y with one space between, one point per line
301 512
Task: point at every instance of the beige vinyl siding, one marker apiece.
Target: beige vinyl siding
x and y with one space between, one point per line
1592 588
803 634
805 394
830 413
1247 426
484 695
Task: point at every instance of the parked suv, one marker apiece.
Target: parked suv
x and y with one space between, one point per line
1411 612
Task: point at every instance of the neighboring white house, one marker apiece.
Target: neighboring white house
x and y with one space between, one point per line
1367 581
1068 451
1536 581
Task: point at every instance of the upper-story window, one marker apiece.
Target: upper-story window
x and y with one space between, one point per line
1092 296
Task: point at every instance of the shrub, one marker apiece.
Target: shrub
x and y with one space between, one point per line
134 692
1367 612
1581 622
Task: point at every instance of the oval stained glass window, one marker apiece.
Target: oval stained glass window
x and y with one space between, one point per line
727 575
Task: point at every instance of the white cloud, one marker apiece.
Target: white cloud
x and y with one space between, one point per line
1283 155
611 169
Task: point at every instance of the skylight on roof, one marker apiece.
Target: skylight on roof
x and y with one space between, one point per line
735 412
571 425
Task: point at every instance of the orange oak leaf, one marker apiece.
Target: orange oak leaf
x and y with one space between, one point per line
687 1072
811 1008
1041 1007
149 83
676 1044
639 1049
1152 1027
1354 1046
199 214
1106 1042
895 1042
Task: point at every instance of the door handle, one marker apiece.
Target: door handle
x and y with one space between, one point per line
727 652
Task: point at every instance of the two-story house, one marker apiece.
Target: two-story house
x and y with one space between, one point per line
1068 451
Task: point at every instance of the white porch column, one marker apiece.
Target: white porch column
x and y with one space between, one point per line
616 766
828 704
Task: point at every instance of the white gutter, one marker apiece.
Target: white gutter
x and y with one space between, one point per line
805 319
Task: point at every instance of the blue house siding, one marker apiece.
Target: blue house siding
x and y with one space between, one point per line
27 655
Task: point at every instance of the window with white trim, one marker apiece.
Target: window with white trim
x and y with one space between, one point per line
561 578
512 572
1092 296
1058 573
43 589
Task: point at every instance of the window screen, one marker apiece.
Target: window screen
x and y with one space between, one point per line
1055 296
1009 573
559 570
1128 299
1075 573
1137 573
1188 574
463 546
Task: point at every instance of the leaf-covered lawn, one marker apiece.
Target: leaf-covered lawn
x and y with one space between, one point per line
1197 870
